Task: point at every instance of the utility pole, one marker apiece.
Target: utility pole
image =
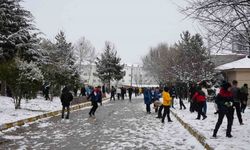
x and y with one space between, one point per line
131 82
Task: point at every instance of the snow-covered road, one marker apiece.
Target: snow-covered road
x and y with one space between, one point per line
119 125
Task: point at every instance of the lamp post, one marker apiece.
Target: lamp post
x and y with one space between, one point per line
131 82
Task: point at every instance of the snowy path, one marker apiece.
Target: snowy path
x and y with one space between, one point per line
119 125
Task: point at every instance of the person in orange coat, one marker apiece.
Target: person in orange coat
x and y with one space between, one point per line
166 104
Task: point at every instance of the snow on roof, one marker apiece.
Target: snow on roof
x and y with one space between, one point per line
239 64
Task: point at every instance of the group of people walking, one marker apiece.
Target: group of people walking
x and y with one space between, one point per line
229 99
121 93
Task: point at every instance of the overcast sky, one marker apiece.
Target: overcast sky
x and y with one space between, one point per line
132 25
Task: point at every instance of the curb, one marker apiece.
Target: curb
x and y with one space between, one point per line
45 115
194 132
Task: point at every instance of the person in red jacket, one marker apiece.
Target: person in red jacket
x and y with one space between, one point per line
200 99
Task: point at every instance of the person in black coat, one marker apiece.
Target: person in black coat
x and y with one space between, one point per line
224 100
66 98
130 92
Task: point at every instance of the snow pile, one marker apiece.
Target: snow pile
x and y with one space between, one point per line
241 133
30 108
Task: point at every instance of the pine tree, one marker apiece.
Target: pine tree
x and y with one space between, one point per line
19 51
108 66
15 26
193 64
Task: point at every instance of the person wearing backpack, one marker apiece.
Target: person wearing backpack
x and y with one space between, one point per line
66 97
95 97
236 100
224 100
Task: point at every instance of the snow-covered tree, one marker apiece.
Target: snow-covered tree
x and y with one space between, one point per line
193 63
60 68
15 27
85 53
108 66
19 51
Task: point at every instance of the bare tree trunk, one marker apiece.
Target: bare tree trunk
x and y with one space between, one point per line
3 88
18 103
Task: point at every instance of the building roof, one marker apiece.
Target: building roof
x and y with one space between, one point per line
239 64
219 60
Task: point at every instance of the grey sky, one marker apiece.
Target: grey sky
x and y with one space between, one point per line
133 25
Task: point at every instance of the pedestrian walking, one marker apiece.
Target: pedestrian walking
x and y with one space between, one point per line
236 100
244 97
204 89
224 101
118 92
130 92
113 91
123 92
66 97
95 97
181 96
166 104
147 99
192 91
173 95
200 98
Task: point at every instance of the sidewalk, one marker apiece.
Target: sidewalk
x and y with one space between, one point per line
31 108
241 133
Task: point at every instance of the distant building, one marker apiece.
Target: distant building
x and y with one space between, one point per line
134 75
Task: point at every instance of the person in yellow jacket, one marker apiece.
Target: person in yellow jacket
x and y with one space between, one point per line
166 104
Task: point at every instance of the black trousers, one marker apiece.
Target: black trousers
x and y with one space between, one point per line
148 108
118 96
172 102
166 113
238 111
229 115
93 109
160 111
130 97
200 112
112 97
243 106
68 111
182 104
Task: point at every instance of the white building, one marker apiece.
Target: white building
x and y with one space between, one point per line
134 75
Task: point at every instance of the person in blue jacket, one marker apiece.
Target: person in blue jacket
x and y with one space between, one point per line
95 97
147 99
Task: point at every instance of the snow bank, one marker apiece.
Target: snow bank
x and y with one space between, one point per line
30 108
241 133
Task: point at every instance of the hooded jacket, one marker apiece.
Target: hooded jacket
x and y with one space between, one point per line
166 98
